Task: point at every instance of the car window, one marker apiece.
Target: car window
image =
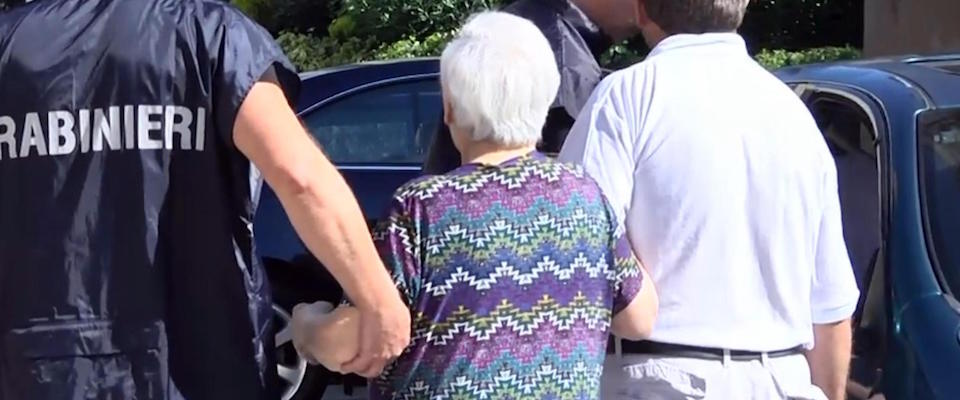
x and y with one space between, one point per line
940 173
850 138
387 124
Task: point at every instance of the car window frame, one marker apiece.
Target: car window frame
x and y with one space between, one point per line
924 120
878 116
356 90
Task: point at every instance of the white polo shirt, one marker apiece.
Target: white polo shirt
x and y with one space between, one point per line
727 190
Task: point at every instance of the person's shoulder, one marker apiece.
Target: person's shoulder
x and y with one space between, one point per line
778 96
566 169
211 17
575 182
784 109
624 90
629 79
422 188
573 176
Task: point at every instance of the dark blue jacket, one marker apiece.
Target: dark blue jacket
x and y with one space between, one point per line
577 44
127 263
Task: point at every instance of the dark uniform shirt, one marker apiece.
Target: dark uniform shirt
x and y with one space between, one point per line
577 44
127 264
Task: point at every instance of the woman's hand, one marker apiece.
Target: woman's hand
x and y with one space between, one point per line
329 338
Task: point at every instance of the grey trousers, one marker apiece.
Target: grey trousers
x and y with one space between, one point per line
652 377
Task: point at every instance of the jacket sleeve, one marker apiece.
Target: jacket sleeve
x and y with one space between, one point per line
241 52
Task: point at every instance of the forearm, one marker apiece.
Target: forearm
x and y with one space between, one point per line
330 223
314 195
830 358
326 217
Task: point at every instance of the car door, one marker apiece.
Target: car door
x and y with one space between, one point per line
376 134
931 324
854 126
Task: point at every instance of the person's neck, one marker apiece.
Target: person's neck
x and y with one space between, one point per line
491 154
653 36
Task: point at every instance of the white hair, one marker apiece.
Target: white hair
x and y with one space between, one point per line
500 78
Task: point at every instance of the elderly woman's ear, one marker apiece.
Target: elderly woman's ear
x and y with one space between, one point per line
448 117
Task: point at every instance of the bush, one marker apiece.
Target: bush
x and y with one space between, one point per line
412 47
773 59
308 52
394 20
289 15
381 29
621 56
624 55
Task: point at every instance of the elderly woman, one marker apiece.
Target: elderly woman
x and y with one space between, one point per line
512 265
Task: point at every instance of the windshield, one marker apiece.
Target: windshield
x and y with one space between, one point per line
940 185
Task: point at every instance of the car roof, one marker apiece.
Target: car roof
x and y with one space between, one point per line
367 65
325 83
937 77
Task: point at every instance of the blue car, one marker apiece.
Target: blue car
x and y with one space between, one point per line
893 126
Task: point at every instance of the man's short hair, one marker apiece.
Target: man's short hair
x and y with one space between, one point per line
501 77
696 16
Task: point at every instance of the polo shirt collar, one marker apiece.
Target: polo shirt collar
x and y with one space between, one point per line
725 40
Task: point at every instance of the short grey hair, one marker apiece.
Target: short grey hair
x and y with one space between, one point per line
697 16
501 78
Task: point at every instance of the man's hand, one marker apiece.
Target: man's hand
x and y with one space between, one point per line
830 358
385 334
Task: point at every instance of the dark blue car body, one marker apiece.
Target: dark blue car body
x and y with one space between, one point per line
908 324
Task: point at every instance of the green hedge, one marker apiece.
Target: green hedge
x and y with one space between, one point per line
773 59
310 52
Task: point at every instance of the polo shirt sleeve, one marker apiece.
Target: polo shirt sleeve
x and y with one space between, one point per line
834 293
241 53
397 238
599 141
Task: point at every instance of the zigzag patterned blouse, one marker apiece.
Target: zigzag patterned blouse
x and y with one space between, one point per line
512 273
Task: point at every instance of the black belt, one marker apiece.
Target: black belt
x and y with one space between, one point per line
705 353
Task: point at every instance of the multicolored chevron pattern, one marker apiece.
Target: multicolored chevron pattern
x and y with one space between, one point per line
512 274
